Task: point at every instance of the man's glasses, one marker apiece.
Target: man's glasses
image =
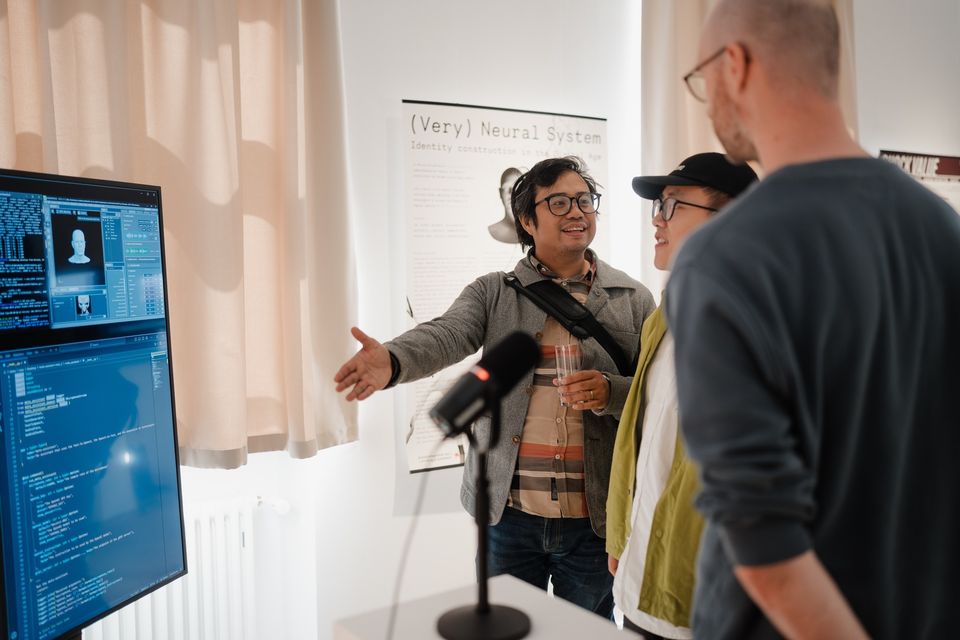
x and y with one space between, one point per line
668 207
559 204
696 83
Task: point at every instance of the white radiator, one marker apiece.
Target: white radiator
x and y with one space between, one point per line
216 600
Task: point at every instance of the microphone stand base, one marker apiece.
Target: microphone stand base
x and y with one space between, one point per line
499 623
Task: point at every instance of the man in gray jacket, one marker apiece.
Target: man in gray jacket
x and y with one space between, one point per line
550 468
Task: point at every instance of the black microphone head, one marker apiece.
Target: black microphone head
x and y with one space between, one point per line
510 359
488 381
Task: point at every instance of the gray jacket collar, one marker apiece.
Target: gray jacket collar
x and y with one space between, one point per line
607 277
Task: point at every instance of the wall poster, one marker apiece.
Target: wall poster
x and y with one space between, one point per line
940 174
460 163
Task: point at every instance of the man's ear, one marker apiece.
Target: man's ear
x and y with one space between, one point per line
736 71
527 224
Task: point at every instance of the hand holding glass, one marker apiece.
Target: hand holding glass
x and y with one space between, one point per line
569 361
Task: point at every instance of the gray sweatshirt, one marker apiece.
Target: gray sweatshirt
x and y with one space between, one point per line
817 326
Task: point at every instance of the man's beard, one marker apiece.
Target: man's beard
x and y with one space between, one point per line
728 128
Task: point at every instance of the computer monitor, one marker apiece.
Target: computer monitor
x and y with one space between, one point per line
90 506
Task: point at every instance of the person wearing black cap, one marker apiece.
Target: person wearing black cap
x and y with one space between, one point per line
653 532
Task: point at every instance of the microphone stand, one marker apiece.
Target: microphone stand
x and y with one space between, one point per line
484 621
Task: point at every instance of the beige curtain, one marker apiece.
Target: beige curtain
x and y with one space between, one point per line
234 107
674 124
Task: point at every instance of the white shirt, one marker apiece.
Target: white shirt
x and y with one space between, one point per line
657 446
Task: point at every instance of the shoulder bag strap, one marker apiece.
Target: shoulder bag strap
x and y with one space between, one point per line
574 317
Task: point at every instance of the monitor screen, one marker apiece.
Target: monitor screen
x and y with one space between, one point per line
90 508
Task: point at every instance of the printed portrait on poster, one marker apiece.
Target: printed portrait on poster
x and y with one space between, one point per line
505 229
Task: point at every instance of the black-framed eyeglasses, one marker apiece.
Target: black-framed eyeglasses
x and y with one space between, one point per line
559 204
696 83
667 207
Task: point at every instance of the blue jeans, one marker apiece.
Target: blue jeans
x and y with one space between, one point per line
567 550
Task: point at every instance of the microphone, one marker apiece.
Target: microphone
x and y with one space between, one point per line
497 372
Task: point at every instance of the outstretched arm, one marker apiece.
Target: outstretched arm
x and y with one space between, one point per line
367 371
800 598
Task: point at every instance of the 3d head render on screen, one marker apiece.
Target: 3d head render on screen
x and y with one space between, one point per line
83 304
549 471
653 531
815 331
78 243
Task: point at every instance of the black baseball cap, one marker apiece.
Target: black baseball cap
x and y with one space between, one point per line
701 170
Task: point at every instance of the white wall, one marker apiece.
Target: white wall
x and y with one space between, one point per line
285 540
908 75
565 55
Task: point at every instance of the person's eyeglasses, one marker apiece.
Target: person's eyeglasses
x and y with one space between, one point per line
667 207
559 204
696 83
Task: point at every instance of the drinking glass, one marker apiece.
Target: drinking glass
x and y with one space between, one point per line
569 360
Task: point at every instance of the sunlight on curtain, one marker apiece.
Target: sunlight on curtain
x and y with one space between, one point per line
234 107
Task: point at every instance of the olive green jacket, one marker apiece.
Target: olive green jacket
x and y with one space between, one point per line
667 590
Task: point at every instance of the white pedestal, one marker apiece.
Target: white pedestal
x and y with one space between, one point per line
550 618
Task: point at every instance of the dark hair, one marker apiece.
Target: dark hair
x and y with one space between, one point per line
716 198
542 174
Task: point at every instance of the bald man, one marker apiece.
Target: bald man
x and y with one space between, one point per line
816 339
